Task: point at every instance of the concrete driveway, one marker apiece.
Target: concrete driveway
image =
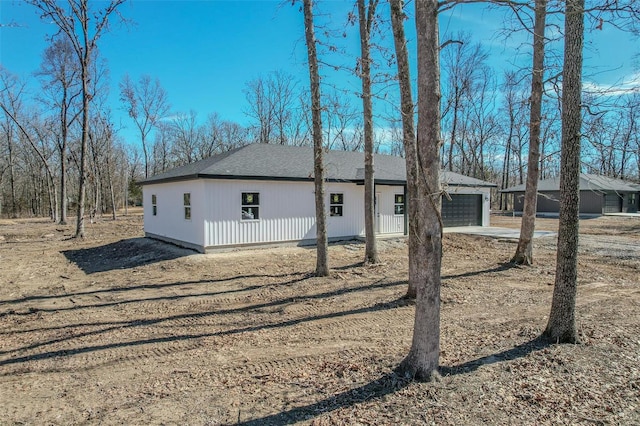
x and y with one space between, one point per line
495 232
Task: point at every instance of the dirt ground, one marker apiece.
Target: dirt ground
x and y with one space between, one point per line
118 329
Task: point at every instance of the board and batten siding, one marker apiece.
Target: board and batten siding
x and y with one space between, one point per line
387 222
169 223
286 210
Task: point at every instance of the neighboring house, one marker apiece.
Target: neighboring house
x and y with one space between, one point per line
264 193
598 195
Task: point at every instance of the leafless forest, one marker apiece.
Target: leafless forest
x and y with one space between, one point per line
484 125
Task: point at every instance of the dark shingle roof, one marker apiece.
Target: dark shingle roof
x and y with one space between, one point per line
588 182
281 162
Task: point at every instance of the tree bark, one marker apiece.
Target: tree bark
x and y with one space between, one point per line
12 180
366 16
82 185
423 358
524 250
561 327
322 263
408 137
62 148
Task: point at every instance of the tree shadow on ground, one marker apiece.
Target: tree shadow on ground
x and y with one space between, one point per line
139 323
387 384
519 351
124 254
124 289
505 266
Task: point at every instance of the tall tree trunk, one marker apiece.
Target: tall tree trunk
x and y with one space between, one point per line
561 327
112 194
454 125
322 262
63 181
146 155
82 184
408 138
524 250
12 180
53 198
62 147
506 161
366 16
423 358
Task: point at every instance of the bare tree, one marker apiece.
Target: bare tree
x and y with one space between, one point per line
609 135
482 129
211 137
463 64
10 99
233 135
27 131
423 358
162 149
524 250
366 16
146 103
561 326
272 102
282 88
409 141
186 136
342 123
512 111
83 27
60 73
322 262
260 108
297 127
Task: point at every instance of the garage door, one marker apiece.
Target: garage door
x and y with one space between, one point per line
612 203
462 210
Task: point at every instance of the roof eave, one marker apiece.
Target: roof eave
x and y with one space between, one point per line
168 179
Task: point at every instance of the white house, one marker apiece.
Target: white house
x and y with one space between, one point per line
263 193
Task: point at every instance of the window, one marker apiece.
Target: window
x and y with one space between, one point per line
187 206
154 204
250 205
335 204
398 204
632 199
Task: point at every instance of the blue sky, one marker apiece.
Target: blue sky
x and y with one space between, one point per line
203 52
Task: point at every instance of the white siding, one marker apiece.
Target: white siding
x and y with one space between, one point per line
287 212
388 221
169 222
352 221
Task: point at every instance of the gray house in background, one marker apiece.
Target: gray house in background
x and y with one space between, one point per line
598 195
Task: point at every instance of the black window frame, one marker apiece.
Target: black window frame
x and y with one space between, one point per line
398 206
154 204
336 204
186 201
250 205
